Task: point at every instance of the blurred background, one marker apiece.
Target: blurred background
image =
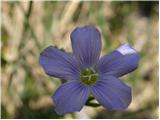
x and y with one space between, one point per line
29 27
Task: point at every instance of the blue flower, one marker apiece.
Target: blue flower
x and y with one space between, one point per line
87 74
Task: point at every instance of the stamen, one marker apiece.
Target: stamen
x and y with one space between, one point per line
88 77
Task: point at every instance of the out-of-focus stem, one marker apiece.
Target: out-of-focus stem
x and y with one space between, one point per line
27 24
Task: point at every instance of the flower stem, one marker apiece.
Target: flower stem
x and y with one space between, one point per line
91 104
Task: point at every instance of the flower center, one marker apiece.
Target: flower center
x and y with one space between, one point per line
88 77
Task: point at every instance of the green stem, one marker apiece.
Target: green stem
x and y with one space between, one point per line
27 24
90 98
91 104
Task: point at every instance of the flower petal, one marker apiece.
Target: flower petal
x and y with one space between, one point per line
70 97
119 62
86 45
58 64
112 93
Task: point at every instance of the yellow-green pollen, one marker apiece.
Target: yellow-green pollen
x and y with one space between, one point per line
88 77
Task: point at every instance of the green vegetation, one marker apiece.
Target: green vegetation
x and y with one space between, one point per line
29 27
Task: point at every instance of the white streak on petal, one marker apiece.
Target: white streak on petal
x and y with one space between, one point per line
126 49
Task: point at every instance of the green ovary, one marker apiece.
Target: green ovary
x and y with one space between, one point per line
88 77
